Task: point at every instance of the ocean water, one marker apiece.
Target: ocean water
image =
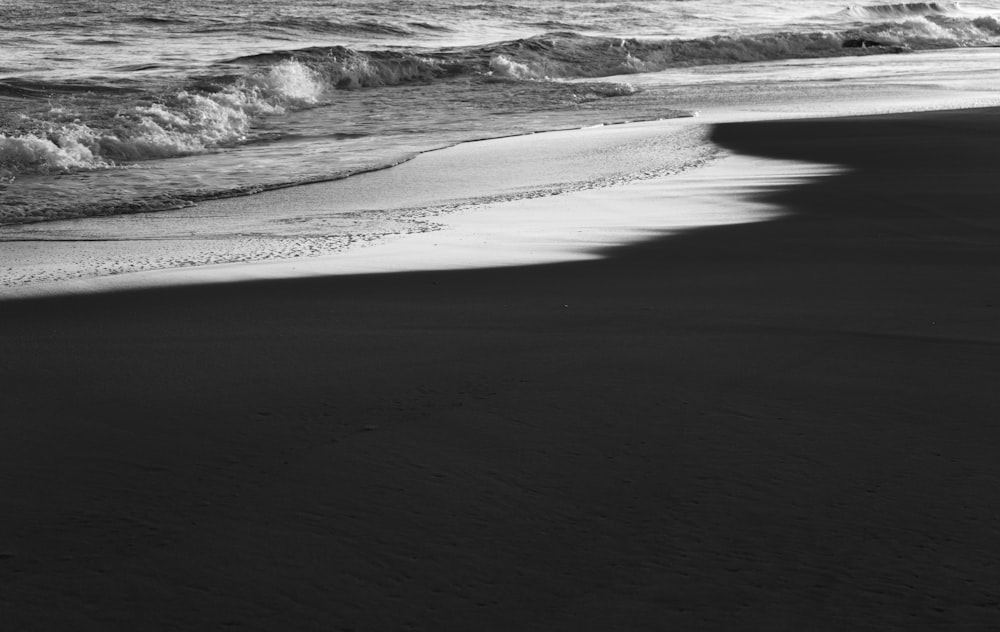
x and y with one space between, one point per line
110 108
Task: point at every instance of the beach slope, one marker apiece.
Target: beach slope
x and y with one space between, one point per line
788 424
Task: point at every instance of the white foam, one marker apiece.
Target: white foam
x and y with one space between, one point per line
289 82
188 123
503 66
46 155
908 9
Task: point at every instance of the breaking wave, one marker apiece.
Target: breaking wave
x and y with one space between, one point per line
903 10
569 55
340 67
70 127
78 134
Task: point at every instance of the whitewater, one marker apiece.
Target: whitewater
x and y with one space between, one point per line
113 113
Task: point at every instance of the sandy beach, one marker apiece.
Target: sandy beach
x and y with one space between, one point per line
785 425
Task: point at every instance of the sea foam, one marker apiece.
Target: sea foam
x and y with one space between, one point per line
184 123
909 9
46 155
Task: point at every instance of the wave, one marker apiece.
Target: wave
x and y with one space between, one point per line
94 126
151 19
87 41
297 27
15 86
326 26
340 67
433 28
548 57
568 55
904 10
934 32
59 139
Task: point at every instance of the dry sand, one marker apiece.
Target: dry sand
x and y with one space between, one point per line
779 425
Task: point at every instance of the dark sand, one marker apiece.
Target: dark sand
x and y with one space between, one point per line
790 425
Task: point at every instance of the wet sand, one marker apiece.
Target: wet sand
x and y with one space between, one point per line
779 425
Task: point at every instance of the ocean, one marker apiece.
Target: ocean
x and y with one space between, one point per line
110 108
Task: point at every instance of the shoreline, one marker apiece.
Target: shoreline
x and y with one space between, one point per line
782 424
534 230
316 226
313 226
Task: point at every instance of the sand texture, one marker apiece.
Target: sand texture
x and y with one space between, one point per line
783 425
